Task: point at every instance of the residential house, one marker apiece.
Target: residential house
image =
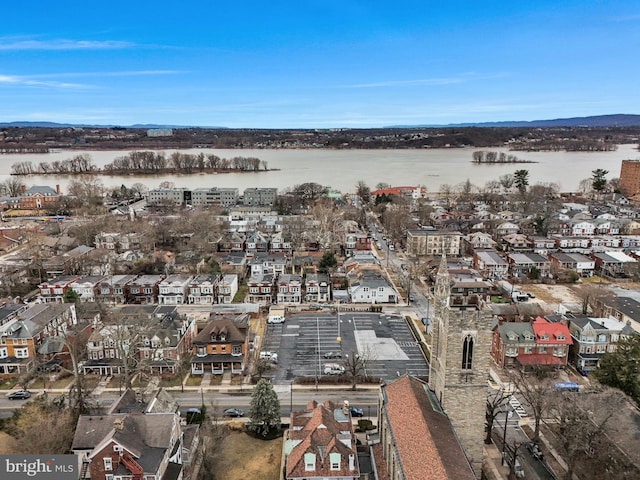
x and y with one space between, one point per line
542 245
506 228
280 244
573 244
357 242
232 242
582 228
552 343
22 336
528 345
624 309
135 446
410 413
613 264
592 338
53 291
144 289
257 242
164 348
516 242
69 263
317 288
478 241
221 346
104 348
260 289
577 262
260 196
372 288
203 290
321 444
118 242
490 264
268 264
174 290
522 264
113 290
227 288
510 341
85 287
289 288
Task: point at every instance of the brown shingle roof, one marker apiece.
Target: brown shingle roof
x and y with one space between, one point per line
221 325
411 415
321 430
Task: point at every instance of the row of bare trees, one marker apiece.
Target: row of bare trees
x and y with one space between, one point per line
582 427
149 161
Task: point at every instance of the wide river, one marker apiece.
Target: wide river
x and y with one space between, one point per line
342 169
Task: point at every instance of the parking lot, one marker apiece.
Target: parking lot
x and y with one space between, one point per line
301 343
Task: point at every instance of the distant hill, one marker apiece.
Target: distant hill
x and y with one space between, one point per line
77 125
616 120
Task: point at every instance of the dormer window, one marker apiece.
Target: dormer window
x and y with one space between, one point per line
334 459
309 462
560 336
544 336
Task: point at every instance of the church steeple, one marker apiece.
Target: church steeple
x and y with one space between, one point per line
443 287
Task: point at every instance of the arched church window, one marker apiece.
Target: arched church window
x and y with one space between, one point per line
467 353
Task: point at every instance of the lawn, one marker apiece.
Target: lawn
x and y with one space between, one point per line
239 456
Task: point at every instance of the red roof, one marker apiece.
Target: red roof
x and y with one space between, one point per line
551 333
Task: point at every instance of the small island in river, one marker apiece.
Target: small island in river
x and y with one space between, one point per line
480 156
144 163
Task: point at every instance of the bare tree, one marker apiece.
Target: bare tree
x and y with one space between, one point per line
592 298
582 425
355 365
496 401
11 187
536 393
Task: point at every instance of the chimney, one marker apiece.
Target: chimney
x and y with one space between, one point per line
118 423
24 188
352 461
58 189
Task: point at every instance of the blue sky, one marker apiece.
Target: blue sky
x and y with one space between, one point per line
310 64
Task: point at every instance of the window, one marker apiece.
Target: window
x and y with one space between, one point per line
108 465
467 353
108 477
236 350
21 352
334 459
542 349
309 462
201 351
528 349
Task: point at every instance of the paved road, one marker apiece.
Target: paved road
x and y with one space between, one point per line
385 341
216 402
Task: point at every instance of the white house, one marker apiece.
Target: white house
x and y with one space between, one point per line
582 228
85 287
173 290
372 288
227 288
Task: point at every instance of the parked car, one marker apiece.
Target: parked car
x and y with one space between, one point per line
333 355
19 395
535 450
333 369
412 298
266 355
356 412
233 412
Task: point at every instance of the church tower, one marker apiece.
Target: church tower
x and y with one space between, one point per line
460 362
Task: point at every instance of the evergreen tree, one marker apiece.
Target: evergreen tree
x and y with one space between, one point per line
327 261
264 411
521 180
621 369
598 179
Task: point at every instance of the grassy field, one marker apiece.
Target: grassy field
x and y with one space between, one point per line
239 456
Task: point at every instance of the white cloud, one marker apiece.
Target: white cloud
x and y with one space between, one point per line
62 44
28 81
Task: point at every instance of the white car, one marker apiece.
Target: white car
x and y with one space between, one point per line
264 355
333 369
